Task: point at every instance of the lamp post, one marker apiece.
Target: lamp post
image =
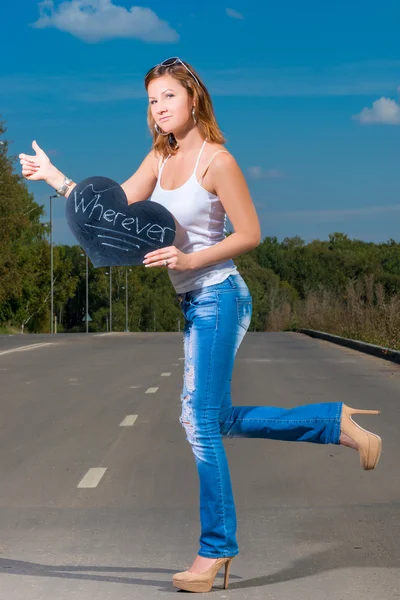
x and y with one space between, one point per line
51 264
126 299
87 292
110 298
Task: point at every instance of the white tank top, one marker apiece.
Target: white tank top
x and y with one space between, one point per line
201 220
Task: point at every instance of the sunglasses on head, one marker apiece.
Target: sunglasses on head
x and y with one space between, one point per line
172 61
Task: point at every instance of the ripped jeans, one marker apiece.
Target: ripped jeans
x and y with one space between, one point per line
216 320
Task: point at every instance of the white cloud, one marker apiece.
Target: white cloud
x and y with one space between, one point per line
96 20
231 12
260 173
384 111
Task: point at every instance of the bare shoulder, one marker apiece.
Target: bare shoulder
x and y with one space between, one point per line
221 157
219 164
154 158
213 148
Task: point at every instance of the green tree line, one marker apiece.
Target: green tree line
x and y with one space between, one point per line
343 286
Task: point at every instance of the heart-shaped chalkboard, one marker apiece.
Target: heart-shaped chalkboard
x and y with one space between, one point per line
113 232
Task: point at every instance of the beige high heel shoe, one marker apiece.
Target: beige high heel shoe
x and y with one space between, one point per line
369 445
202 582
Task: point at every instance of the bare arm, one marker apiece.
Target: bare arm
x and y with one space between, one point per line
39 168
141 184
138 187
228 181
55 178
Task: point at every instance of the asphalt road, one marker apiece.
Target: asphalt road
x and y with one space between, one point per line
311 523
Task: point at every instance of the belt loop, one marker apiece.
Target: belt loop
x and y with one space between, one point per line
232 281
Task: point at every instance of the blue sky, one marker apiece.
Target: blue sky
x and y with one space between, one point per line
307 94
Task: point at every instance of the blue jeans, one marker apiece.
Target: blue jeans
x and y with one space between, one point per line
216 320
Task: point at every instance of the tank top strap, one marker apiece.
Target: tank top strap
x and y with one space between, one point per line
209 163
199 156
161 164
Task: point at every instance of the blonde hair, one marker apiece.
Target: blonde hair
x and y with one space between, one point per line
204 111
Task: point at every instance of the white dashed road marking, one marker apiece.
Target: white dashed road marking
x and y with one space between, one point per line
110 333
165 374
30 347
92 478
128 421
151 390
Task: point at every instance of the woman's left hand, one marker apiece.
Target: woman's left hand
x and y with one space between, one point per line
177 260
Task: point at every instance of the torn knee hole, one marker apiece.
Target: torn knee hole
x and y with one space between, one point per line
186 415
189 378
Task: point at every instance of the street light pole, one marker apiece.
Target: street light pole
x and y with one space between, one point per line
126 300
87 293
110 299
110 302
51 265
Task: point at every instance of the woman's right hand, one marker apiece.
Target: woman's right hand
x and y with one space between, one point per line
38 167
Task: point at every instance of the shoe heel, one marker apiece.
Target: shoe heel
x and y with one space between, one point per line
360 411
226 577
369 444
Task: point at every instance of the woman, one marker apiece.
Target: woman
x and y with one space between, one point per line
189 171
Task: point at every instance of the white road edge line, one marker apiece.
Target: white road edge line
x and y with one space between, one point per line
128 421
112 333
92 478
30 347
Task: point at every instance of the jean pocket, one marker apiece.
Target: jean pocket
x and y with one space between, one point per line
244 310
208 298
202 310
